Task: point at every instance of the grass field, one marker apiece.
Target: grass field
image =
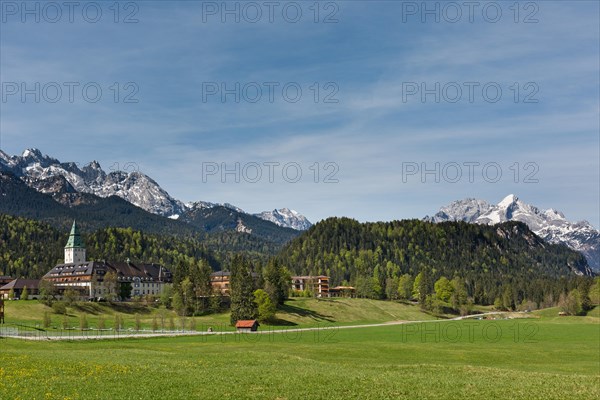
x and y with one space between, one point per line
548 357
298 312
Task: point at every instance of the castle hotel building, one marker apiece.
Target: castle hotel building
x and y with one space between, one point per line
88 277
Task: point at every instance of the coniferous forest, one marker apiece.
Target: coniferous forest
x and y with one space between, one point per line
492 262
408 259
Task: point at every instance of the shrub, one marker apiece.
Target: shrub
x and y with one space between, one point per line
59 307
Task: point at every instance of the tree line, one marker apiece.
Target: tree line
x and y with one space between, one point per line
451 265
29 248
478 263
255 291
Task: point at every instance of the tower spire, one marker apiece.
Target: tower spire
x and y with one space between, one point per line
74 249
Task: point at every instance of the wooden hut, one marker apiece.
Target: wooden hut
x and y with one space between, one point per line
248 325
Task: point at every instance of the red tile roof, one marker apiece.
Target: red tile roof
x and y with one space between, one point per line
245 323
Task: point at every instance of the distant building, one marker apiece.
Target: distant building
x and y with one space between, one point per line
5 279
250 325
319 285
221 281
88 277
342 291
17 287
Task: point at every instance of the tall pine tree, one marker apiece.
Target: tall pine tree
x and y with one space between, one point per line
242 290
277 281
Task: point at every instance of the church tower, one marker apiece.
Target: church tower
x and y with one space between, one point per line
74 250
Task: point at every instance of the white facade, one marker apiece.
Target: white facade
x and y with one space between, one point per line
74 255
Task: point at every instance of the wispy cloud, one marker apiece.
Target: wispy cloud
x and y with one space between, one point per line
369 55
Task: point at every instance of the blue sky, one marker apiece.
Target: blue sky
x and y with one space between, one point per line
369 61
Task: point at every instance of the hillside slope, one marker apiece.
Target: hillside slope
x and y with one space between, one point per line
485 257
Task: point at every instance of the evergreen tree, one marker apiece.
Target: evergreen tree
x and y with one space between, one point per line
425 287
215 301
24 293
200 278
242 290
124 290
277 281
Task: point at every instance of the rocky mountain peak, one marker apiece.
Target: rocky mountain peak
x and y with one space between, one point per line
286 218
550 225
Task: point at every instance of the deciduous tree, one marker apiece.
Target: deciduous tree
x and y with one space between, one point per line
83 322
405 286
443 289
111 285
459 293
47 292
265 306
571 303
391 288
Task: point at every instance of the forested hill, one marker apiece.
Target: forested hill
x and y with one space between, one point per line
485 257
30 248
215 226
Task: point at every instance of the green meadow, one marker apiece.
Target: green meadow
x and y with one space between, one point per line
297 313
544 357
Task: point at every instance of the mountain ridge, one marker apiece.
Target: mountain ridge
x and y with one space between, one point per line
42 172
551 225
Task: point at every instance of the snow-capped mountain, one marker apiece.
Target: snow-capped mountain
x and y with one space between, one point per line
44 174
283 217
550 225
198 205
48 175
286 218
467 210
